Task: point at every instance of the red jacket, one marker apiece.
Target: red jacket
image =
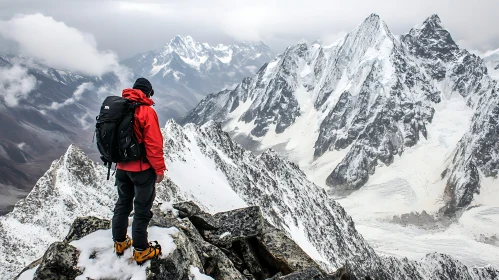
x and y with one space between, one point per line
146 128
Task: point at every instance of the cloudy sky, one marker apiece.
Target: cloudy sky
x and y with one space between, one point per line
124 28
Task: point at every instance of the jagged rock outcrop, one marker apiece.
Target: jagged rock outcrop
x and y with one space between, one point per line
259 252
59 262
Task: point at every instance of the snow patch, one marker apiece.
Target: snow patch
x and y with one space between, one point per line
106 265
198 275
28 274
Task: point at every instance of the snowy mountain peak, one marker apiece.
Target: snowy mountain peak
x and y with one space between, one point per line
430 40
185 70
433 21
373 26
363 102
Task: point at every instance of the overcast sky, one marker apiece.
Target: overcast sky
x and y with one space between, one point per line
131 26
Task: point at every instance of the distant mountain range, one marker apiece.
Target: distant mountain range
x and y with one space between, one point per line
492 62
59 110
184 71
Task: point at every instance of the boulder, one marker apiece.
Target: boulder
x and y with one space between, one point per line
282 252
236 225
83 226
162 219
58 263
215 262
175 266
307 274
200 219
187 209
204 221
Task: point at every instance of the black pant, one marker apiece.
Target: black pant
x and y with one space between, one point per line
138 185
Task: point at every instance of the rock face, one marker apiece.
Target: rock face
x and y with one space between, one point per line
185 70
371 94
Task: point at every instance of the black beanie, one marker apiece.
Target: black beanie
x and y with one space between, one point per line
144 85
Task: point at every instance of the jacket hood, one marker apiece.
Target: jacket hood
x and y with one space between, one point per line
137 95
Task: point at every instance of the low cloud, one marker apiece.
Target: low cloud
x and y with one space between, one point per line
15 84
57 45
77 95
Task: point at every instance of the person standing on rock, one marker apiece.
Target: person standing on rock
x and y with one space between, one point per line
136 179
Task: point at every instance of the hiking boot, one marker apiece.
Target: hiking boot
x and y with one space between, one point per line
120 247
142 256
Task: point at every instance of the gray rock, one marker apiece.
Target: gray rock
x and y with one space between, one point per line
307 274
205 221
198 217
83 226
162 219
283 252
314 274
58 263
176 266
187 209
251 259
236 225
214 261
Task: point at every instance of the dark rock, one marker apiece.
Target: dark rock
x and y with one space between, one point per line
187 209
307 274
198 217
204 221
83 226
162 219
251 260
236 225
214 261
283 252
177 264
58 263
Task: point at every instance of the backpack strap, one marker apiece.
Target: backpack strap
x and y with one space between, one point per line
108 169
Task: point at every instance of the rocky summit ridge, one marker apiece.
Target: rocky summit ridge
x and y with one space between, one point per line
227 178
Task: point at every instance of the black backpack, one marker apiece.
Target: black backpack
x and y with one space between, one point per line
114 133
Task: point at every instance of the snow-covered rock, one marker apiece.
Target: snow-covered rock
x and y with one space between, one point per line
207 167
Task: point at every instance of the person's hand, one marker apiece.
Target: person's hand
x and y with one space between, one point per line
159 178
